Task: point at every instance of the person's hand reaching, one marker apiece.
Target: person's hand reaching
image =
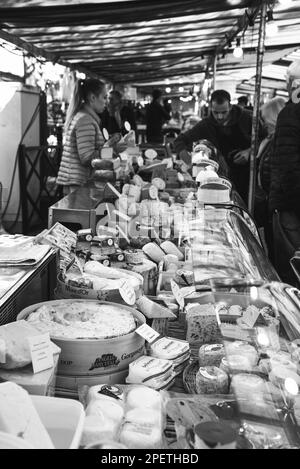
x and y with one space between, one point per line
185 156
242 157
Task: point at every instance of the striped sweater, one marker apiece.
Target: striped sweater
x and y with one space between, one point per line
83 141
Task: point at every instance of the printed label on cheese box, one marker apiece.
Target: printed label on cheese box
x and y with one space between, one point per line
41 352
149 334
177 293
205 373
127 293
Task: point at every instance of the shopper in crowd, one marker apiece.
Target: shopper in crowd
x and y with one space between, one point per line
156 116
116 114
243 102
269 113
284 201
83 138
228 127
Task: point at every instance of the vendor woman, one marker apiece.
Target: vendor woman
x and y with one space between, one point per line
83 137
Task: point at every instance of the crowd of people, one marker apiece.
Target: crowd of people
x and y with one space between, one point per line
228 127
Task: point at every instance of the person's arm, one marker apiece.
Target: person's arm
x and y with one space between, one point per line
183 144
86 140
286 159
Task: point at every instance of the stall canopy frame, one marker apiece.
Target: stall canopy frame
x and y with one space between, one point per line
137 41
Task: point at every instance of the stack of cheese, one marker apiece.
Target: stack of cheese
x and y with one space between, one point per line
153 372
175 350
19 418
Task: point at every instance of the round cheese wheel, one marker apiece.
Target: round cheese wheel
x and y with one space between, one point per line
211 380
211 354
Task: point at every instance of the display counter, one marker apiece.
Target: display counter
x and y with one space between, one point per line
20 287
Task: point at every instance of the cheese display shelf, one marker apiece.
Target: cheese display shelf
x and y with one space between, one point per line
257 347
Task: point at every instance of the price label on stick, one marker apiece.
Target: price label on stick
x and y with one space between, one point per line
127 293
149 334
41 352
177 293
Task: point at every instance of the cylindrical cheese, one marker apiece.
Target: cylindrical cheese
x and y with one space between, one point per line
249 386
154 252
211 380
211 354
169 248
235 364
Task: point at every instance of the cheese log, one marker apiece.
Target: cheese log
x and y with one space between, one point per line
170 248
19 417
211 380
202 325
279 374
154 252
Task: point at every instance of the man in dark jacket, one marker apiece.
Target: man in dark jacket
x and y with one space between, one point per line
228 127
116 114
156 116
284 200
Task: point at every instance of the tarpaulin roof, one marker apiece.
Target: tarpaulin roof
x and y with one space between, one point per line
137 41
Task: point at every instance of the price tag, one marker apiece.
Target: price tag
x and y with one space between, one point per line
177 293
140 161
127 293
105 134
149 334
153 192
41 352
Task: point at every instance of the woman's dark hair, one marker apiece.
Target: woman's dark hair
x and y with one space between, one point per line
220 96
82 90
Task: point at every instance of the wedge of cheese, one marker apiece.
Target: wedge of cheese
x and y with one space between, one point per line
19 417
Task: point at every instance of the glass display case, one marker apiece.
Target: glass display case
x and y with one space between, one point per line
223 246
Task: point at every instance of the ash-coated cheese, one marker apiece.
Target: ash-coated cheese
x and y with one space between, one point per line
202 325
211 380
211 354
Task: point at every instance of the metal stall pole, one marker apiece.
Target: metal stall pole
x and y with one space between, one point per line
255 120
215 59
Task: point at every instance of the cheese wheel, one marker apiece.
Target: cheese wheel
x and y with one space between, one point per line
211 380
169 248
239 347
154 252
211 354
